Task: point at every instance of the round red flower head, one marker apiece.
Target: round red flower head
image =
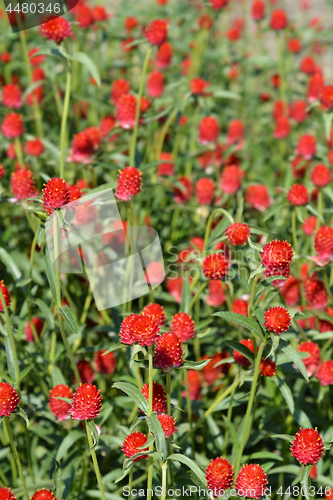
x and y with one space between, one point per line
277 319
12 96
216 266
87 402
156 32
105 363
325 373
139 328
298 195
43 495
326 97
59 408
321 175
34 148
267 368
306 146
133 444
12 126
126 111
168 424
204 191
168 352
251 481
6 494
238 233
279 20
86 371
159 397
183 325
258 10
55 28
9 399
6 295
22 184
307 447
129 183
209 130
157 312
312 362
183 193
219 474
277 254
56 194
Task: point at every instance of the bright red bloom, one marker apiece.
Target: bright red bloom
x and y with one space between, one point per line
234 34
309 225
164 55
83 15
321 175
100 14
324 242
279 20
22 184
198 86
131 22
82 147
209 130
329 494
267 368
157 312
326 97
306 146
133 444
238 233
291 291
204 191
277 254
240 306
12 126
6 295
56 194
282 127
308 65
218 4
35 95
298 111
87 402
216 266
185 193
43 495
205 21
38 324
239 357
2 171
294 45
126 110
277 319
194 382
308 446
107 124
5 57
219 474
183 326
316 294
209 372
9 399
129 183
298 195
325 373
235 132
155 84
105 363
231 179
6 494
257 196
167 167
59 408
159 397
174 287
168 352
139 328
11 96
168 424
251 480
156 32
86 371
312 362
216 297
34 148
258 10
299 166
118 89
315 87
55 28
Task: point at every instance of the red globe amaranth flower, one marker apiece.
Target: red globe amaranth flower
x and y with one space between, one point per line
279 20
38 324
22 184
12 96
315 86
298 195
216 266
294 45
105 363
118 89
131 22
240 306
326 97
6 295
240 358
168 352
55 28
43 495
251 481
308 65
34 148
87 402
86 371
164 55
324 242
167 167
231 179
209 130
139 328
276 256
267 368
316 294
298 111
309 225
312 362
155 84
184 193
194 382
325 373
126 110
238 233
99 13
12 126
277 319
257 196
291 291
129 183
235 134
157 312
329 493
321 175
210 372
306 147
218 4
59 408
2 171
198 86
299 166
6 494
156 32
219 474
308 446
258 10
282 127
168 424
133 444
5 57
56 194
183 326
216 297
204 191
155 273
159 397
9 399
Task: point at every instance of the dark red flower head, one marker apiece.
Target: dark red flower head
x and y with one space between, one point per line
316 293
164 55
168 424
155 84
251 481
321 175
118 89
198 86
133 444
219 474
12 126
257 196
22 184
315 86
86 371
216 266
55 28
209 130
11 96
258 10
308 446
291 291
6 494
139 328
87 402
279 20
235 133
38 324
34 148
183 325
325 373
126 110
166 168
129 183
240 306
298 195
157 312
194 382
9 399
183 193
43 495
204 191
307 146
56 194
238 233
159 397
324 242
168 352
277 319
282 127
326 97
312 362
58 407
156 32
6 295
231 179
105 363
267 368
277 254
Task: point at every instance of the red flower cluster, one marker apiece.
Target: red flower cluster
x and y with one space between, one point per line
139 328
308 446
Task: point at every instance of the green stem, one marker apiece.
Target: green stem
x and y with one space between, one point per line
168 392
229 415
130 481
197 295
150 411
94 459
64 121
18 151
16 456
11 339
164 479
189 408
253 293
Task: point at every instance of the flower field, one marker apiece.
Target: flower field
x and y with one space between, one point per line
166 249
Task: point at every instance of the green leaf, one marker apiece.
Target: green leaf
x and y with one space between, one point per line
59 484
226 94
94 432
241 348
115 347
315 212
255 246
286 393
241 320
275 344
31 88
50 273
7 378
306 469
25 372
67 443
186 296
195 365
262 455
286 437
51 52
135 350
156 428
10 264
277 207
192 465
327 124
233 433
23 415
89 65
294 356
57 376
219 230
69 319
10 360
67 400
134 393
46 311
